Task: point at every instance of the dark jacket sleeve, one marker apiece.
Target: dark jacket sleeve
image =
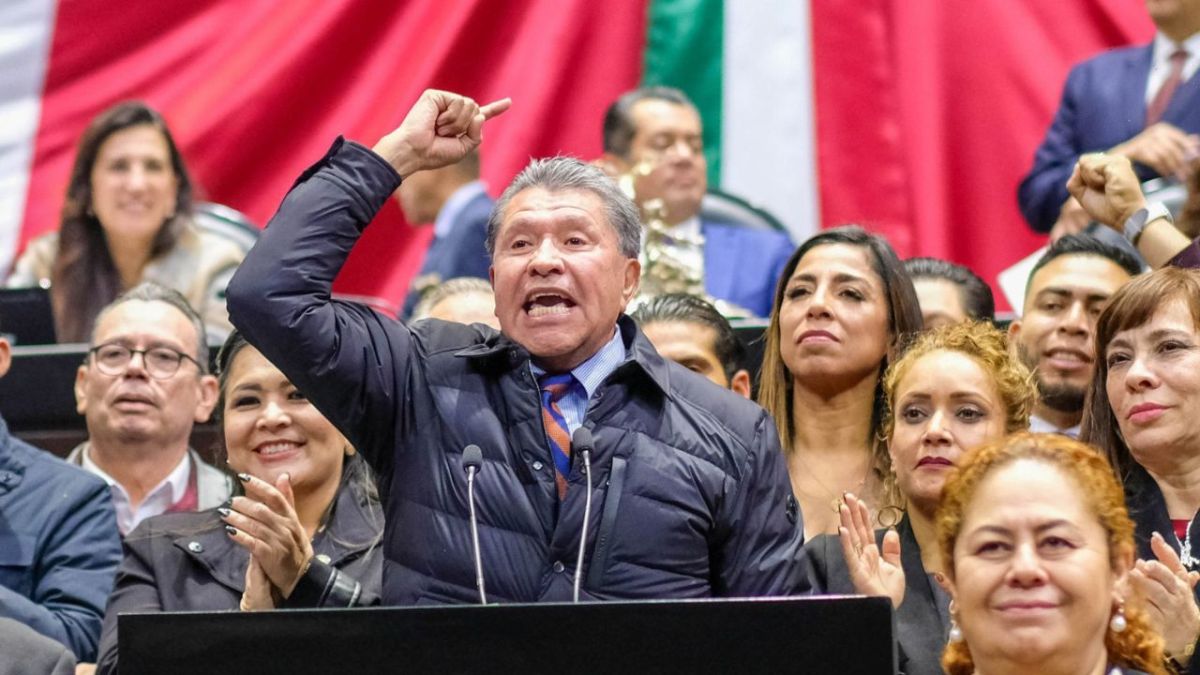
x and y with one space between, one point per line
764 531
1044 189
349 360
1188 258
77 564
136 591
324 585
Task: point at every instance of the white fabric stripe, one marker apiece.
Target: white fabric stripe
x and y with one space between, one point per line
25 30
768 129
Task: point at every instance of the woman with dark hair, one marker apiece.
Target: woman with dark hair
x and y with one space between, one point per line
955 388
1143 412
127 218
316 542
1038 547
843 306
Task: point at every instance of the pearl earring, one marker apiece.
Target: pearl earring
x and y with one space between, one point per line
955 635
1118 624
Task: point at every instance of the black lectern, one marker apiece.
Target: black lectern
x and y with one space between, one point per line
816 636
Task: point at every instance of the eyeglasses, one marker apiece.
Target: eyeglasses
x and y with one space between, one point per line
160 362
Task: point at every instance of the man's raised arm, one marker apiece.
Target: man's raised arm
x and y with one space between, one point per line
349 360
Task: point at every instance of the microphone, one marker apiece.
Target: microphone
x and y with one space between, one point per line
472 461
581 444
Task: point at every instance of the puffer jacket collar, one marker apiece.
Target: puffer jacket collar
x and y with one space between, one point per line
503 354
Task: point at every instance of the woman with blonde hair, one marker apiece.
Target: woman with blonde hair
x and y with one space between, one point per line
953 389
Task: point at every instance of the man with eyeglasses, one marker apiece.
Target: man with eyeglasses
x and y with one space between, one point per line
142 387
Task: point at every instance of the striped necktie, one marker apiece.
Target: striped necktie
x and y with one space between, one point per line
554 387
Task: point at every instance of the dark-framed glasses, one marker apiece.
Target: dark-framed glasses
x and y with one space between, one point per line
160 362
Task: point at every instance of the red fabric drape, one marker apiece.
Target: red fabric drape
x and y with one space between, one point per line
929 112
255 90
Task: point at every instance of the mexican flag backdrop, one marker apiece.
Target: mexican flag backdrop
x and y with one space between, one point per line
916 118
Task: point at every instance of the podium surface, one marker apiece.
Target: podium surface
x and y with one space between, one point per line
815 636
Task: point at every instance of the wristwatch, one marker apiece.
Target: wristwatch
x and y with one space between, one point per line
1142 217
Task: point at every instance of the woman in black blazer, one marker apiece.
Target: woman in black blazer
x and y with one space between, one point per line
315 545
954 388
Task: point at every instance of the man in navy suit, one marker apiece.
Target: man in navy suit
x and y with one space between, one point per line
654 135
457 203
1140 102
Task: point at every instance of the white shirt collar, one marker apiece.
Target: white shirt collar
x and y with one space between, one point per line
169 491
1041 426
1160 61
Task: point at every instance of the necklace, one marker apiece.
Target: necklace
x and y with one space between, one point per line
835 500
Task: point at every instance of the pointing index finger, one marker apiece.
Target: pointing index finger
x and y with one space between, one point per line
495 108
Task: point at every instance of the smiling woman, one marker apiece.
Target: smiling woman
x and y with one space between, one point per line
1038 546
303 533
127 219
1142 412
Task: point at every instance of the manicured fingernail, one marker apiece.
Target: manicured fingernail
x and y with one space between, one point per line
244 477
223 511
231 530
287 477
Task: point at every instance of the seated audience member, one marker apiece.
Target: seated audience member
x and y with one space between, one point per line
127 219
564 245
1144 413
456 201
1037 547
1067 289
844 307
23 651
954 389
653 136
303 531
59 546
1108 189
143 386
949 293
463 300
1135 102
691 332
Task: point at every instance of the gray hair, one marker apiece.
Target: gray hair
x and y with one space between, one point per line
557 174
149 291
446 290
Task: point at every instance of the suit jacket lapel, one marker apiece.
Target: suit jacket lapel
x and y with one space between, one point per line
1134 76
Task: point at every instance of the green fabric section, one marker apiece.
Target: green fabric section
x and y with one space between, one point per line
684 49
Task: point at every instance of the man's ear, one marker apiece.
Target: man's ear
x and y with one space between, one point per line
612 165
740 384
5 356
1014 328
633 277
209 393
81 400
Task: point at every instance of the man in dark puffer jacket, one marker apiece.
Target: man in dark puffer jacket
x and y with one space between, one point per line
690 492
